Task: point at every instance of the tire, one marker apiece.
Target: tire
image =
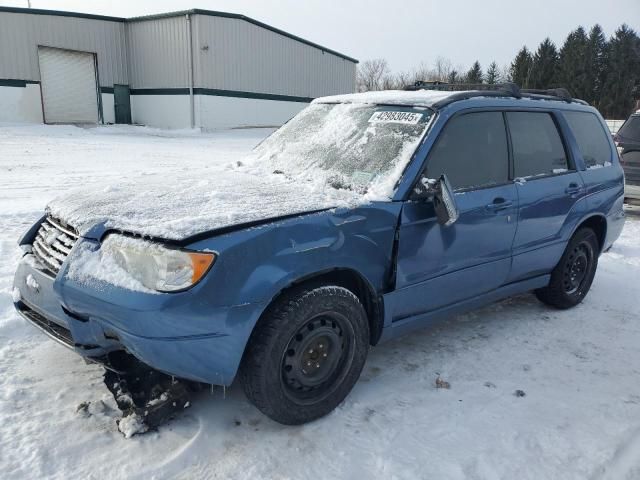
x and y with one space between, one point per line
571 279
305 354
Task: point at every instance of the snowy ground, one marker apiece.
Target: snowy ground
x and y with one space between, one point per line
579 369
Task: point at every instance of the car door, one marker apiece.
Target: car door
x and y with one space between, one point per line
441 265
628 143
549 192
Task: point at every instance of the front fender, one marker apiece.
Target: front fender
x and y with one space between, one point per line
255 264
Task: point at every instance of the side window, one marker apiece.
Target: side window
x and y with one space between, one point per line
537 146
630 130
472 150
591 137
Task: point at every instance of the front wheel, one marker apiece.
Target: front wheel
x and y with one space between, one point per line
571 279
306 354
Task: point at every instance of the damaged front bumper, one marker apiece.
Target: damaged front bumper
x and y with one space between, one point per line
155 348
181 334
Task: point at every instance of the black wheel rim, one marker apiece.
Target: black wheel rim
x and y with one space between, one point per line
317 357
577 267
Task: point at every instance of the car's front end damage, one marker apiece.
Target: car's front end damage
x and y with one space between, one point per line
163 281
153 345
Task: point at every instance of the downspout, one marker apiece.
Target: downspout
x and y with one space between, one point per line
190 72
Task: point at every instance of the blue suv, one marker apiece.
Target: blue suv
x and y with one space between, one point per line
365 217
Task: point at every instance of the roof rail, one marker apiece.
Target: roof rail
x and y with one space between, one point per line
510 88
470 90
561 93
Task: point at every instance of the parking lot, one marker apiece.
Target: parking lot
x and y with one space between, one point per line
579 416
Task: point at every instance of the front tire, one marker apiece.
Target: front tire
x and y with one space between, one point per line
571 279
306 354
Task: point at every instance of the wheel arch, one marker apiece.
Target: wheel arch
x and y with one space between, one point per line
347 278
597 223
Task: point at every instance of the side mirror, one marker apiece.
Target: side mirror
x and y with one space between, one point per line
441 194
444 203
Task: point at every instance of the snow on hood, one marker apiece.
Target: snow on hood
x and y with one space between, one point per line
178 207
314 162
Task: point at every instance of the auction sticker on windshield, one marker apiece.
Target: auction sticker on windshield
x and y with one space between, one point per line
395 117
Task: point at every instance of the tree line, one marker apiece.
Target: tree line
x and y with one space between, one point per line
604 72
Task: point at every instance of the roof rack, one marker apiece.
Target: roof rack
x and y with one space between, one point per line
511 88
470 90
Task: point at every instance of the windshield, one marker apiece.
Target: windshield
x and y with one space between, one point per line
360 147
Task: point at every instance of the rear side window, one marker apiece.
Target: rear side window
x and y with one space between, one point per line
631 129
537 146
472 151
591 137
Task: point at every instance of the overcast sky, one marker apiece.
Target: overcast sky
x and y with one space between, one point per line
405 32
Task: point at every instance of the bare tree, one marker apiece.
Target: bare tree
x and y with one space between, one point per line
403 79
371 74
442 69
505 74
375 74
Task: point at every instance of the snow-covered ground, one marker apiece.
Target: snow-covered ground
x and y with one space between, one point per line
579 369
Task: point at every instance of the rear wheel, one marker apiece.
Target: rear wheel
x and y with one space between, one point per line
571 279
306 354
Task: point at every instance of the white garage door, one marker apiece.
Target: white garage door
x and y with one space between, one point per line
69 91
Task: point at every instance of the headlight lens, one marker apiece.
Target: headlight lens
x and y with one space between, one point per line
154 265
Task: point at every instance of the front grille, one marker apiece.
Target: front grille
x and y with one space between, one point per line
53 243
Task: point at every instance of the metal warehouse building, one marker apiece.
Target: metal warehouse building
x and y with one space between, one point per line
194 68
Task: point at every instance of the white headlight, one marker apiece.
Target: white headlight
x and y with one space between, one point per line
154 265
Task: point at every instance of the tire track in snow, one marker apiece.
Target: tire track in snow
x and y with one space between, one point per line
625 463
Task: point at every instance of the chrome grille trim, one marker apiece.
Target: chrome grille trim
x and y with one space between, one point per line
52 252
66 229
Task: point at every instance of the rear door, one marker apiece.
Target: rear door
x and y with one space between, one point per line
628 142
442 265
549 192
122 103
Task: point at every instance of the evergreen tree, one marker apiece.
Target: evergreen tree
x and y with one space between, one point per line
453 77
595 65
521 68
572 72
493 74
544 70
474 75
622 79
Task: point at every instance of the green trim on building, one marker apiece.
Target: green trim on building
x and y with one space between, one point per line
255 95
215 93
159 91
11 82
195 11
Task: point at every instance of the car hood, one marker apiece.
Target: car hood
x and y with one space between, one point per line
179 207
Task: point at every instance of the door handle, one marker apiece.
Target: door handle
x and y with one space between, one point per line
499 204
573 189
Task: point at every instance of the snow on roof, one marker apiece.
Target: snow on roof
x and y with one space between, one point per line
424 98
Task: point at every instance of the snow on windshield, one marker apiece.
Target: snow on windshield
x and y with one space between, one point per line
358 147
328 156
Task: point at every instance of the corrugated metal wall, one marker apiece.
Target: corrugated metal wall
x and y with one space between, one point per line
20 35
158 53
232 54
229 54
